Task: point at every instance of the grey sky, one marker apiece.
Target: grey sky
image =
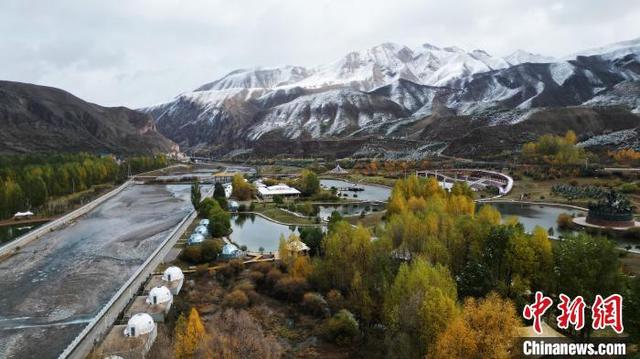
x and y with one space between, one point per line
140 52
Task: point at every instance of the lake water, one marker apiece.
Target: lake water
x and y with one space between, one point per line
531 215
354 209
9 233
370 193
255 232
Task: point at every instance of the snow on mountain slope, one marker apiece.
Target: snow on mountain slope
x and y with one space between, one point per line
258 78
410 95
520 57
327 113
625 93
611 51
390 88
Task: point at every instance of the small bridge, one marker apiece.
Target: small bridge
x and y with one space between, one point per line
477 179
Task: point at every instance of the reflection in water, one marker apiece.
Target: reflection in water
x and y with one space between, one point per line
349 209
9 233
255 232
535 215
370 193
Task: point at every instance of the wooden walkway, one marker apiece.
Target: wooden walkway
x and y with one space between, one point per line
13 222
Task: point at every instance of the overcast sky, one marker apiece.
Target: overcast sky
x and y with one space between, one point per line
140 52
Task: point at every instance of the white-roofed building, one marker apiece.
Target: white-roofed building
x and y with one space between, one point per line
159 295
157 304
131 341
140 324
172 278
268 192
23 215
297 246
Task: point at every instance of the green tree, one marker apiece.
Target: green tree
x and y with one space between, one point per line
312 237
417 307
219 219
218 191
334 218
196 195
210 249
342 328
587 266
308 184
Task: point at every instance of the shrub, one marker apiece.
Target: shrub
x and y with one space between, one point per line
315 304
236 266
342 328
257 277
290 288
263 267
236 299
192 254
244 285
210 249
633 233
628 188
335 300
202 269
564 221
273 276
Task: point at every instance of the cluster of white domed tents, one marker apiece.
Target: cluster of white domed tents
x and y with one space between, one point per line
199 233
134 340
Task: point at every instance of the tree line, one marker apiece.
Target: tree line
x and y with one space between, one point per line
28 181
443 279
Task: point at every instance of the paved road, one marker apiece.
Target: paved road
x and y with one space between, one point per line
55 285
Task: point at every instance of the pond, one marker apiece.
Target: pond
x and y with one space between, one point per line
531 215
355 209
370 192
9 233
254 232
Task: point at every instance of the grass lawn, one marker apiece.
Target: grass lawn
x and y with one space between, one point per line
270 210
370 220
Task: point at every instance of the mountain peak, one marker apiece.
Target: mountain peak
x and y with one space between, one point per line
521 56
614 50
428 46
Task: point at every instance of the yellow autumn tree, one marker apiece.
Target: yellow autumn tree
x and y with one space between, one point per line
301 267
188 335
486 329
489 215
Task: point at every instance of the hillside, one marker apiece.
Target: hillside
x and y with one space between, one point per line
41 119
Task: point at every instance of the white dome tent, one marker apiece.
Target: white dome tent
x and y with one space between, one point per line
195 238
201 229
140 324
160 295
172 274
172 278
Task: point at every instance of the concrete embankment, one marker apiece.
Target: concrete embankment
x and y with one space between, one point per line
78 271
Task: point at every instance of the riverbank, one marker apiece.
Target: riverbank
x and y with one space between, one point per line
33 220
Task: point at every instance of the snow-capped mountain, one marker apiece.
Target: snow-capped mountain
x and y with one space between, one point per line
383 90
